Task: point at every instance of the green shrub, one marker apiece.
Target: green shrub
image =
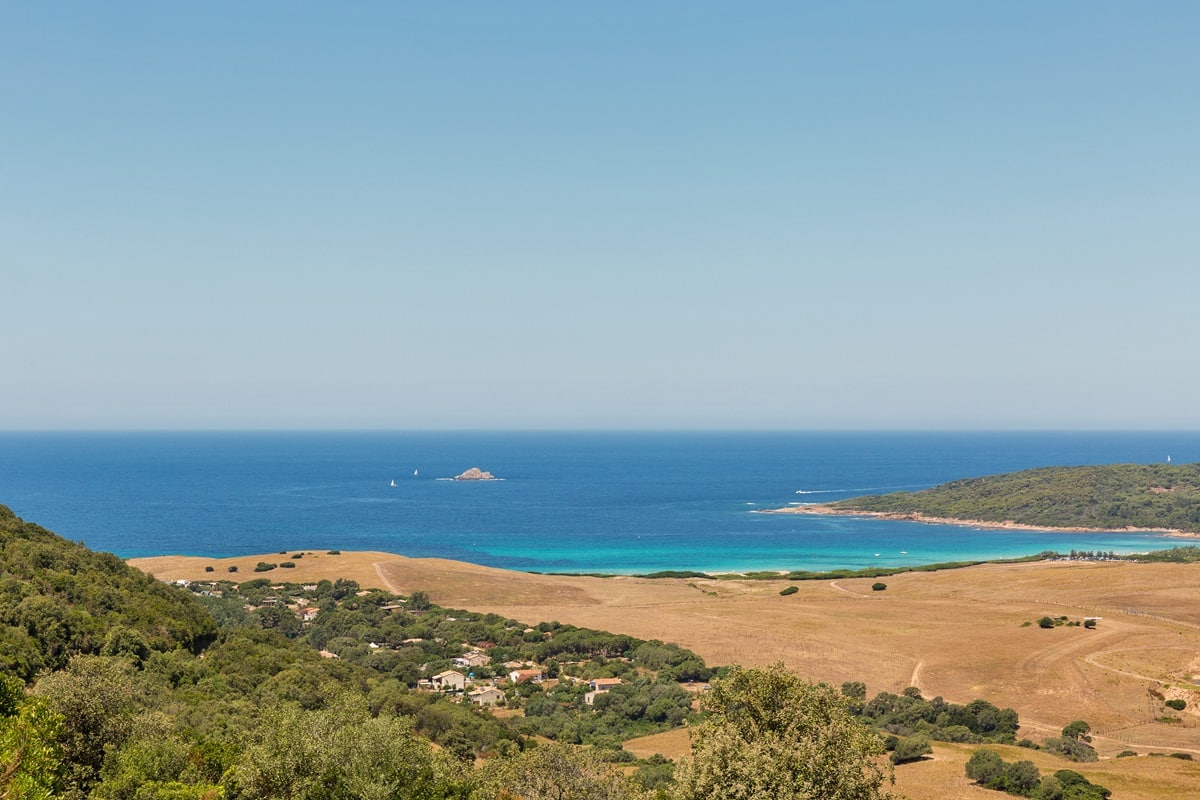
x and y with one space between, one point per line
1089 623
1021 777
335 552
233 568
288 565
208 569
878 587
263 566
910 748
986 768
1178 705
789 590
1126 753
1045 622
254 585
1071 749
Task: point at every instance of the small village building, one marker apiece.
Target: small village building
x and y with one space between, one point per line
472 659
599 686
525 676
486 696
449 681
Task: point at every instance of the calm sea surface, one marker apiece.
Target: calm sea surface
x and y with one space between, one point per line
568 502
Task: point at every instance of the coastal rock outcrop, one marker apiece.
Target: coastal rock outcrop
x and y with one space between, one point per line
475 474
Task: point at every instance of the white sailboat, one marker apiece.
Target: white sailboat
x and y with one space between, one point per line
393 482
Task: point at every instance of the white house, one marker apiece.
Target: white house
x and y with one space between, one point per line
486 696
599 686
471 659
449 681
525 676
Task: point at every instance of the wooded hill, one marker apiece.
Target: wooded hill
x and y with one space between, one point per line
1111 497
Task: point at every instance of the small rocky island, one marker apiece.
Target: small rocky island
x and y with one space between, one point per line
475 474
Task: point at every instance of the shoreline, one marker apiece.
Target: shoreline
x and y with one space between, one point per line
825 509
366 567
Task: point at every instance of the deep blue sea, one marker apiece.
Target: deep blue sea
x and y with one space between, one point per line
568 502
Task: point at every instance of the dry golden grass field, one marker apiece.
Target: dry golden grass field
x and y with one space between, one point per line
961 634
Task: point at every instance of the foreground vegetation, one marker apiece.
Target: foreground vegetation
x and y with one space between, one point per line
1111 497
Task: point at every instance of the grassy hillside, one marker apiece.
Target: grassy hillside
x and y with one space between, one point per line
1111 496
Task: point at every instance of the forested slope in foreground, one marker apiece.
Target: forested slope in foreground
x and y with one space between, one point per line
1107 497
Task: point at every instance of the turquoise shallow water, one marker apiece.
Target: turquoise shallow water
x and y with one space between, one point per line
569 502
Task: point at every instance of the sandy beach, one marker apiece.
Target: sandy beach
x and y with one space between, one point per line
823 509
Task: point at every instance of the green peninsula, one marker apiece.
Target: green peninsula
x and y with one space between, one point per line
1108 497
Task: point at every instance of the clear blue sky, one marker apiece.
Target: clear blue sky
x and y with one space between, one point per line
600 215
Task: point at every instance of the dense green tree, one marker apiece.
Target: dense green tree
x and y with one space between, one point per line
341 753
30 756
1074 743
154 762
1079 730
773 736
95 696
1071 748
986 768
555 771
910 748
1021 777
1048 788
1077 787
20 654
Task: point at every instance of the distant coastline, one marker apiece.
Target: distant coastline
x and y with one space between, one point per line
825 509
